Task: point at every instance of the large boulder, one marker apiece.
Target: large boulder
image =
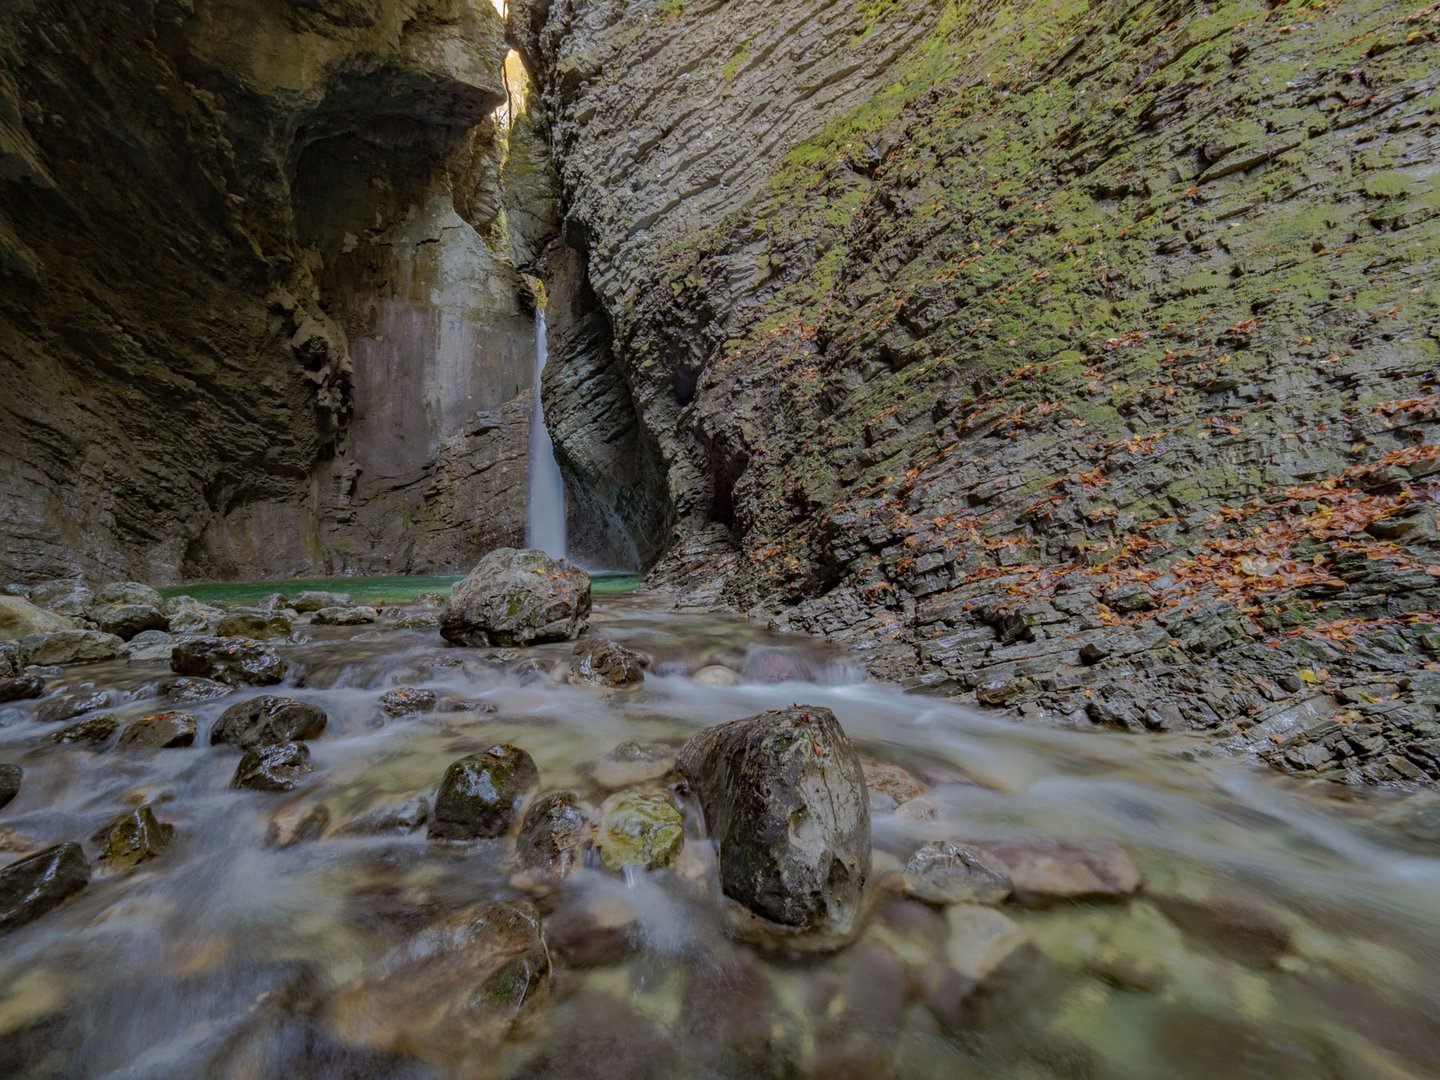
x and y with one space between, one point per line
128 620
784 799
517 597
344 616
158 731
267 720
189 616
19 619
149 645
237 661
31 887
260 623
69 647
480 795
10 777
64 596
69 706
606 663
316 601
125 592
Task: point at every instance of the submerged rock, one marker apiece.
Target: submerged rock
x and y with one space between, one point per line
69 647
605 663
149 645
307 602
132 838
158 731
784 799
277 767
39 884
945 873
481 794
267 720
21 688
408 700
452 994
1047 870
517 597
554 834
407 815
631 764
591 928
345 616
717 675
237 661
258 623
10 777
19 619
95 730
297 825
639 830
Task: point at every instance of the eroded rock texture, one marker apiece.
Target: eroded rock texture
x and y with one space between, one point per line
1078 359
257 316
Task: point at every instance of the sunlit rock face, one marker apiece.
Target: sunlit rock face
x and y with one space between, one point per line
257 312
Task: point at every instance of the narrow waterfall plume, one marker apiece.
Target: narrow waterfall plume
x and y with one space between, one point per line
545 516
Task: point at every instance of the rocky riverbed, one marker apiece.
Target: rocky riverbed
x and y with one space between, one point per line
677 845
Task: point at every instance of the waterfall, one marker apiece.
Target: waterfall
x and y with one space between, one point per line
545 517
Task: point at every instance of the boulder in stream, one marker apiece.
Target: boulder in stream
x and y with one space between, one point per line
407 701
344 616
645 831
1044 871
554 834
267 720
149 645
597 662
69 647
237 661
260 623
21 688
92 731
945 873
128 620
19 619
132 838
69 706
277 767
517 597
307 602
453 994
10 777
784 799
189 616
157 731
39 884
480 795
64 596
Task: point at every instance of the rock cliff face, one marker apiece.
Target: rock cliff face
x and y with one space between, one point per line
1079 358
257 316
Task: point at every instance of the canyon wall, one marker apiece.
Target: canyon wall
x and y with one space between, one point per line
1077 359
258 316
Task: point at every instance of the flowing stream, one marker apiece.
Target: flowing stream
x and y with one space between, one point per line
1282 929
545 512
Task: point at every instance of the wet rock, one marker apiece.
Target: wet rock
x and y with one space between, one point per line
64 596
452 994
981 944
717 675
784 799
125 592
9 660
297 825
404 816
278 767
132 838
69 647
69 706
418 620
127 620
1244 932
258 623
307 602
22 688
189 616
237 661
20 618
776 665
517 597
183 691
554 834
480 795
632 764
859 1011
94 731
1046 870
267 720
598 1035
946 873
889 785
10 777
592 929
158 731
639 830
39 884
605 663
407 701
149 645
345 616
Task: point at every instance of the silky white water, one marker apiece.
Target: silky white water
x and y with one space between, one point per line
545 513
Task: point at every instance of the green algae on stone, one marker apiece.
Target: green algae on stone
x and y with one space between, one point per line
644 831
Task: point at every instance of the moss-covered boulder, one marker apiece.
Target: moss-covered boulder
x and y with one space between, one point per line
481 795
517 597
644 831
132 838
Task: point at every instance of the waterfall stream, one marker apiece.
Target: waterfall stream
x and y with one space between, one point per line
545 515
